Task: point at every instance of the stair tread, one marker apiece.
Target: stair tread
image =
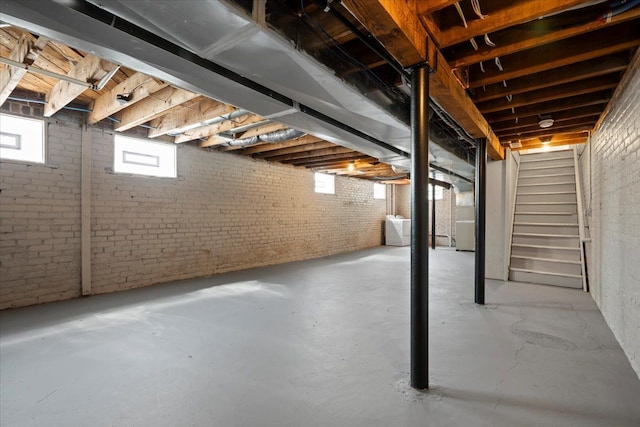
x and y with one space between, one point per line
561 261
550 224
562 248
546 203
548 183
547 175
545 193
546 213
523 159
547 167
548 273
559 236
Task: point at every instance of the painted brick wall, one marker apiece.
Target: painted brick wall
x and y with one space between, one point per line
40 220
443 208
224 212
611 170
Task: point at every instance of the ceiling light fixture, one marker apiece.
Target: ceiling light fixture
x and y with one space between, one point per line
351 167
545 122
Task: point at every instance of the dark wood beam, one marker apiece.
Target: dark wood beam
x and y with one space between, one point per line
581 87
425 7
565 52
400 31
559 116
513 13
539 144
552 106
525 131
567 74
552 132
519 39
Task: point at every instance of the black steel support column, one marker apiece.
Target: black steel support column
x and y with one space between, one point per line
481 192
420 227
433 215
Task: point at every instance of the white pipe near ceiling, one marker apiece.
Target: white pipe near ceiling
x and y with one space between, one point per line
48 73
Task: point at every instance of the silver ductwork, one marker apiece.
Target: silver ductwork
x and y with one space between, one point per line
271 137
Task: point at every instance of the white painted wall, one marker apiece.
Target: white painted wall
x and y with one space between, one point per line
501 186
610 167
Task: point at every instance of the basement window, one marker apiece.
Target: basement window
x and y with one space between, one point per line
379 191
141 157
325 184
439 192
21 139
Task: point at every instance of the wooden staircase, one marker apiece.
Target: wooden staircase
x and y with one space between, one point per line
546 246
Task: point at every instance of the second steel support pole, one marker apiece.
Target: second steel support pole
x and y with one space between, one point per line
420 227
433 215
481 167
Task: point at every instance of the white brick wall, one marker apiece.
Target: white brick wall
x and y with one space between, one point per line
224 212
443 209
611 171
40 224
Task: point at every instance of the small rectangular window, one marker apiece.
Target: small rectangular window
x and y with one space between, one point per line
21 138
141 157
379 191
325 183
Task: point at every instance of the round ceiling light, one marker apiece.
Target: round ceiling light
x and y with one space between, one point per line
545 123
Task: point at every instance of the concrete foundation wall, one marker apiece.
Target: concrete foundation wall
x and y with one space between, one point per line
610 167
224 212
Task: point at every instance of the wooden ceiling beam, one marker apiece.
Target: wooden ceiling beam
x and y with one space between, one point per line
518 40
203 110
565 52
524 131
400 31
559 116
552 132
256 150
559 138
395 26
552 106
25 52
225 126
567 74
513 13
337 164
267 155
138 86
539 144
330 159
151 107
89 69
307 155
426 7
581 87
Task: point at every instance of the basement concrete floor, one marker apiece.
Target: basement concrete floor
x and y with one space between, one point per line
316 343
